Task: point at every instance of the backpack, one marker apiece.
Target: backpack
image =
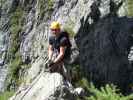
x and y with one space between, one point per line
74 53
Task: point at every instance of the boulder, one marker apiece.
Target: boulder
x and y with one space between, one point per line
47 86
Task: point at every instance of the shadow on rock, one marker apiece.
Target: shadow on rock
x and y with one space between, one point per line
104 51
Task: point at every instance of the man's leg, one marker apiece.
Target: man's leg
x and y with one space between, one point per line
67 72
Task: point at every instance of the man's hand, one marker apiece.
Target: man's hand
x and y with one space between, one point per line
51 66
49 63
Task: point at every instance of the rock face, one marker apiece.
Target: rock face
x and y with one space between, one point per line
104 42
5 8
35 31
106 45
46 86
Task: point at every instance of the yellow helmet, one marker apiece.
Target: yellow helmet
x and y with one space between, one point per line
55 25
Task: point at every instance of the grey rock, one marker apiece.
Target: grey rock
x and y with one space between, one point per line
46 86
4 39
104 51
35 32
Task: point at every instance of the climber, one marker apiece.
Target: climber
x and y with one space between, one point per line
59 49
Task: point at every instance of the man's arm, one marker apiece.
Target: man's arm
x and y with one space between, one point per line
50 51
61 54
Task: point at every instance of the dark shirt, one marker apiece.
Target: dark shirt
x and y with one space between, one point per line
61 40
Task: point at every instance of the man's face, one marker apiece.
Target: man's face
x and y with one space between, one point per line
55 31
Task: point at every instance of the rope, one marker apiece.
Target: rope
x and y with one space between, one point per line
36 80
31 86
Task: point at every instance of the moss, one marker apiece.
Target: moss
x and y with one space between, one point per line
70 31
107 92
16 26
14 79
69 28
14 58
50 5
15 65
2 2
16 21
45 8
130 8
6 95
76 73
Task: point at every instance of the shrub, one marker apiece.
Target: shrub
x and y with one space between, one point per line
2 2
76 73
68 27
6 95
69 30
16 25
16 73
130 8
14 59
109 92
45 8
15 65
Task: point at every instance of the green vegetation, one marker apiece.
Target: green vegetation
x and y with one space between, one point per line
130 8
50 4
45 8
68 27
16 25
15 65
14 58
2 2
6 95
13 79
109 92
69 30
76 73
